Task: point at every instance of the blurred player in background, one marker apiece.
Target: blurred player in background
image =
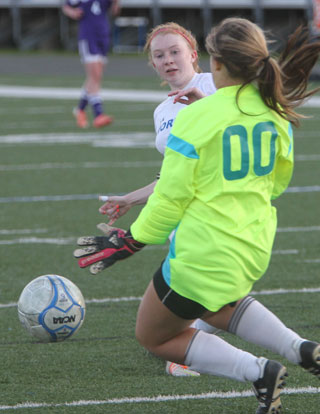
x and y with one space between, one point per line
227 157
173 52
94 36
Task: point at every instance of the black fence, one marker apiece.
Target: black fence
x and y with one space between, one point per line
40 24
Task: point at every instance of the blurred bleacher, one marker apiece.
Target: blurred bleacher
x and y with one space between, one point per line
40 24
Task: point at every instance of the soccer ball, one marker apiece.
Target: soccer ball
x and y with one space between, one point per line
51 308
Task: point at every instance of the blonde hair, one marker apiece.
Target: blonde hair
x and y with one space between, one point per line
242 48
173 28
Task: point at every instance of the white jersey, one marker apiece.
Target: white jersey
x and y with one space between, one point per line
165 113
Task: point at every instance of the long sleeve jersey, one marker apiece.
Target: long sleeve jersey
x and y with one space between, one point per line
224 163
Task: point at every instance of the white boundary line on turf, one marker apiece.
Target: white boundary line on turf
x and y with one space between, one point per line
110 139
39 240
106 139
6 232
95 164
138 298
297 229
307 157
62 241
77 165
304 189
72 240
124 95
74 197
157 399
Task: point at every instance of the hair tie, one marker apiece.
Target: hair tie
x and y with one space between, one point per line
265 60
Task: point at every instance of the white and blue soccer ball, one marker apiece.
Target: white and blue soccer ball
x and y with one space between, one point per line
51 308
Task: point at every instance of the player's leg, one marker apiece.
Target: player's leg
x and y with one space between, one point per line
92 53
160 331
204 326
179 370
93 85
170 337
80 111
94 73
254 323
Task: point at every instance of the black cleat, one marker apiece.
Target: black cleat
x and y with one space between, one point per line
310 357
267 388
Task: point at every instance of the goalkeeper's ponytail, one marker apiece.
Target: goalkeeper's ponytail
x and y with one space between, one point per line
241 47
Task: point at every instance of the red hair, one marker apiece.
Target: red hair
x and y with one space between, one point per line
174 28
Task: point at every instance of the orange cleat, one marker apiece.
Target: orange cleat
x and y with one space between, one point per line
81 118
102 120
177 370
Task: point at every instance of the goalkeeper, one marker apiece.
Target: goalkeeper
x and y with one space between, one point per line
227 156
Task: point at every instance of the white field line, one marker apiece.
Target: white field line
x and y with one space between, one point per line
101 164
269 292
313 102
297 229
304 189
62 241
77 165
124 95
75 197
157 399
72 240
307 157
255 293
33 199
53 110
107 139
39 240
21 231
284 291
38 122
57 109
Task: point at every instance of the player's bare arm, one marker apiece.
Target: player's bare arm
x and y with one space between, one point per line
117 206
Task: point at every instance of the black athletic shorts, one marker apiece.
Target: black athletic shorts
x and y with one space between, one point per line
177 304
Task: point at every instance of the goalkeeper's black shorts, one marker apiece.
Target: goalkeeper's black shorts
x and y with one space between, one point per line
177 304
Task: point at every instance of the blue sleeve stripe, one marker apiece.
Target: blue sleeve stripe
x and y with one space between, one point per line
290 132
181 146
166 270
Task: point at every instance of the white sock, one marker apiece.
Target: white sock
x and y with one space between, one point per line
256 324
204 326
209 354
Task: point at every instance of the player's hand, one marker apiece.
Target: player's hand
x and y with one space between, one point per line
114 207
75 13
187 96
100 252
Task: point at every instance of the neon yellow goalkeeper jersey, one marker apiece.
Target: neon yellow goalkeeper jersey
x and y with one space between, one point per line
222 167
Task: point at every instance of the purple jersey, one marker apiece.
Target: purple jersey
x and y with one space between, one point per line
94 27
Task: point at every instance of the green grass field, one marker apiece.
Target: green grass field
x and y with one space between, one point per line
102 368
